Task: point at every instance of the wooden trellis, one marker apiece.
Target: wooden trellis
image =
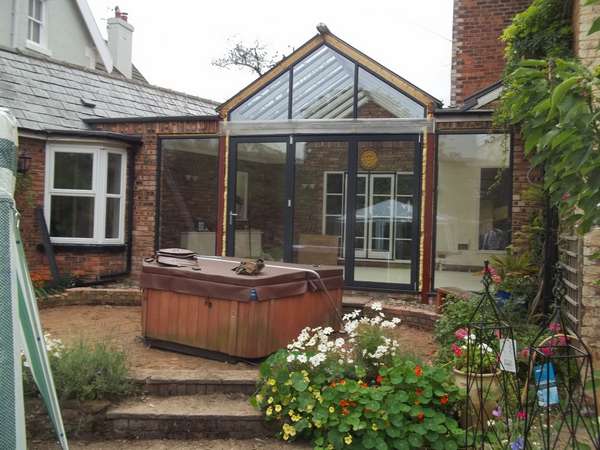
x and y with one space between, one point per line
570 250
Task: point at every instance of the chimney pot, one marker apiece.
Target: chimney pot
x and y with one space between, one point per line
120 33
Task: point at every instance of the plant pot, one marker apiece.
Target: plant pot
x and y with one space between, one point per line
484 396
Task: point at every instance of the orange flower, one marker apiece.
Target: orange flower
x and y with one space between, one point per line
342 382
353 404
333 384
421 417
418 371
378 379
417 402
345 411
344 403
418 391
444 399
363 384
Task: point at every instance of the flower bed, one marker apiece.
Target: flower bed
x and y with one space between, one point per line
358 390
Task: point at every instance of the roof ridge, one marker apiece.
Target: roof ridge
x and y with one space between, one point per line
104 74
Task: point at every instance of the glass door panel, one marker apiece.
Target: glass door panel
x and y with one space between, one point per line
385 218
257 213
320 202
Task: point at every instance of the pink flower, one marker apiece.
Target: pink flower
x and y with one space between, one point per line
554 327
521 415
461 333
547 351
457 350
524 353
497 279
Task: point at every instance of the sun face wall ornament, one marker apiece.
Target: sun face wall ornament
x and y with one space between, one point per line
369 159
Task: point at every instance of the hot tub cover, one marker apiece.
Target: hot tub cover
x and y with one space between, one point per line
216 279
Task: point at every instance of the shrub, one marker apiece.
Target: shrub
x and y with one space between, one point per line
85 371
358 392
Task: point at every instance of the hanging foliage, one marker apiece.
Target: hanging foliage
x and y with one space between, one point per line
552 100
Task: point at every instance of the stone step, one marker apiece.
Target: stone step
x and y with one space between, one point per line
188 382
211 416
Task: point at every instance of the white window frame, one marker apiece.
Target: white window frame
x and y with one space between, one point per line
99 192
42 45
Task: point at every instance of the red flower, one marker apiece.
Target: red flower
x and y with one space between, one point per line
344 403
345 411
363 384
421 417
418 371
457 350
444 399
418 391
378 379
461 333
554 327
521 415
524 353
417 402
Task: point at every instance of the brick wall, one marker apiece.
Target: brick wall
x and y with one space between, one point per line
477 52
586 46
86 263
522 175
144 195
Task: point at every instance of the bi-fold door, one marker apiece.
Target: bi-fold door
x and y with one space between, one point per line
299 199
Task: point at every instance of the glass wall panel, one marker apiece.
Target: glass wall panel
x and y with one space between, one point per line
323 86
385 218
377 99
320 202
270 103
473 206
260 200
189 194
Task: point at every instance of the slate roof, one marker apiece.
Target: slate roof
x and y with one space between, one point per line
47 94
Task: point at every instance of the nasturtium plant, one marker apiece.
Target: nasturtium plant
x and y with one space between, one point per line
358 391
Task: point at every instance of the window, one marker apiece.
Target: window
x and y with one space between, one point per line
473 205
85 194
189 193
35 21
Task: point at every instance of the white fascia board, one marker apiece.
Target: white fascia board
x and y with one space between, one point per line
92 27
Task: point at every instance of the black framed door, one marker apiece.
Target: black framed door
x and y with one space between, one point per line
351 201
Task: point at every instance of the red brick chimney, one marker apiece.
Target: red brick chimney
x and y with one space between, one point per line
477 52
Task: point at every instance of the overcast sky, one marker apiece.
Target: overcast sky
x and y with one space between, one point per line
175 41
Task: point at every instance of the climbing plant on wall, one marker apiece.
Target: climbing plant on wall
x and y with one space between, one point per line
552 97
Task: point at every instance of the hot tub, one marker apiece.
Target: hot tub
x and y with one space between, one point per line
210 310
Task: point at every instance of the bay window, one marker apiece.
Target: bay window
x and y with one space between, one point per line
85 193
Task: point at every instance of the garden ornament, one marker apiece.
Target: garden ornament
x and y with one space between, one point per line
249 267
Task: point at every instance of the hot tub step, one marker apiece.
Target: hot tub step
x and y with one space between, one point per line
188 382
188 417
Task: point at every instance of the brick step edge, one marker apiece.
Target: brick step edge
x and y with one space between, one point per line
423 318
200 426
92 296
169 388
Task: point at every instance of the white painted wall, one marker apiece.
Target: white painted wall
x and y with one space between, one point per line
66 37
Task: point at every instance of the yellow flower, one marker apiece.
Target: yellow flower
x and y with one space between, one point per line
274 388
330 447
270 400
271 381
348 439
296 417
259 398
288 383
288 430
318 423
310 389
331 409
269 411
277 408
374 427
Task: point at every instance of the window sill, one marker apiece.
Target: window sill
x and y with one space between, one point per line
37 48
85 248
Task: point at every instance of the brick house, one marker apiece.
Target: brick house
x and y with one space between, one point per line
328 158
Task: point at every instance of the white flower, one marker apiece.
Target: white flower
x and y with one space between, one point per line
339 342
376 306
328 331
291 357
396 320
317 359
302 358
322 348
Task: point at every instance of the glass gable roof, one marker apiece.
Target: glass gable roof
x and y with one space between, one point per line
324 88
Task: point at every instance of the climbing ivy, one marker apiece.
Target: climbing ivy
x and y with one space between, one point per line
552 97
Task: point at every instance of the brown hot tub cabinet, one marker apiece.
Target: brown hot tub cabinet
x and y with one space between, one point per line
215 310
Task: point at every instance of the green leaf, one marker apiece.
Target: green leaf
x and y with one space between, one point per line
595 26
415 440
298 382
561 90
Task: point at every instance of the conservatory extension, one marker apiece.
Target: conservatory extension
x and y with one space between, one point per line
332 159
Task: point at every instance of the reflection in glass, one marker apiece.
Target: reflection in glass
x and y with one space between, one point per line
259 201
473 205
320 202
377 99
113 178
270 103
384 214
189 194
113 206
323 86
72 217
73 170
